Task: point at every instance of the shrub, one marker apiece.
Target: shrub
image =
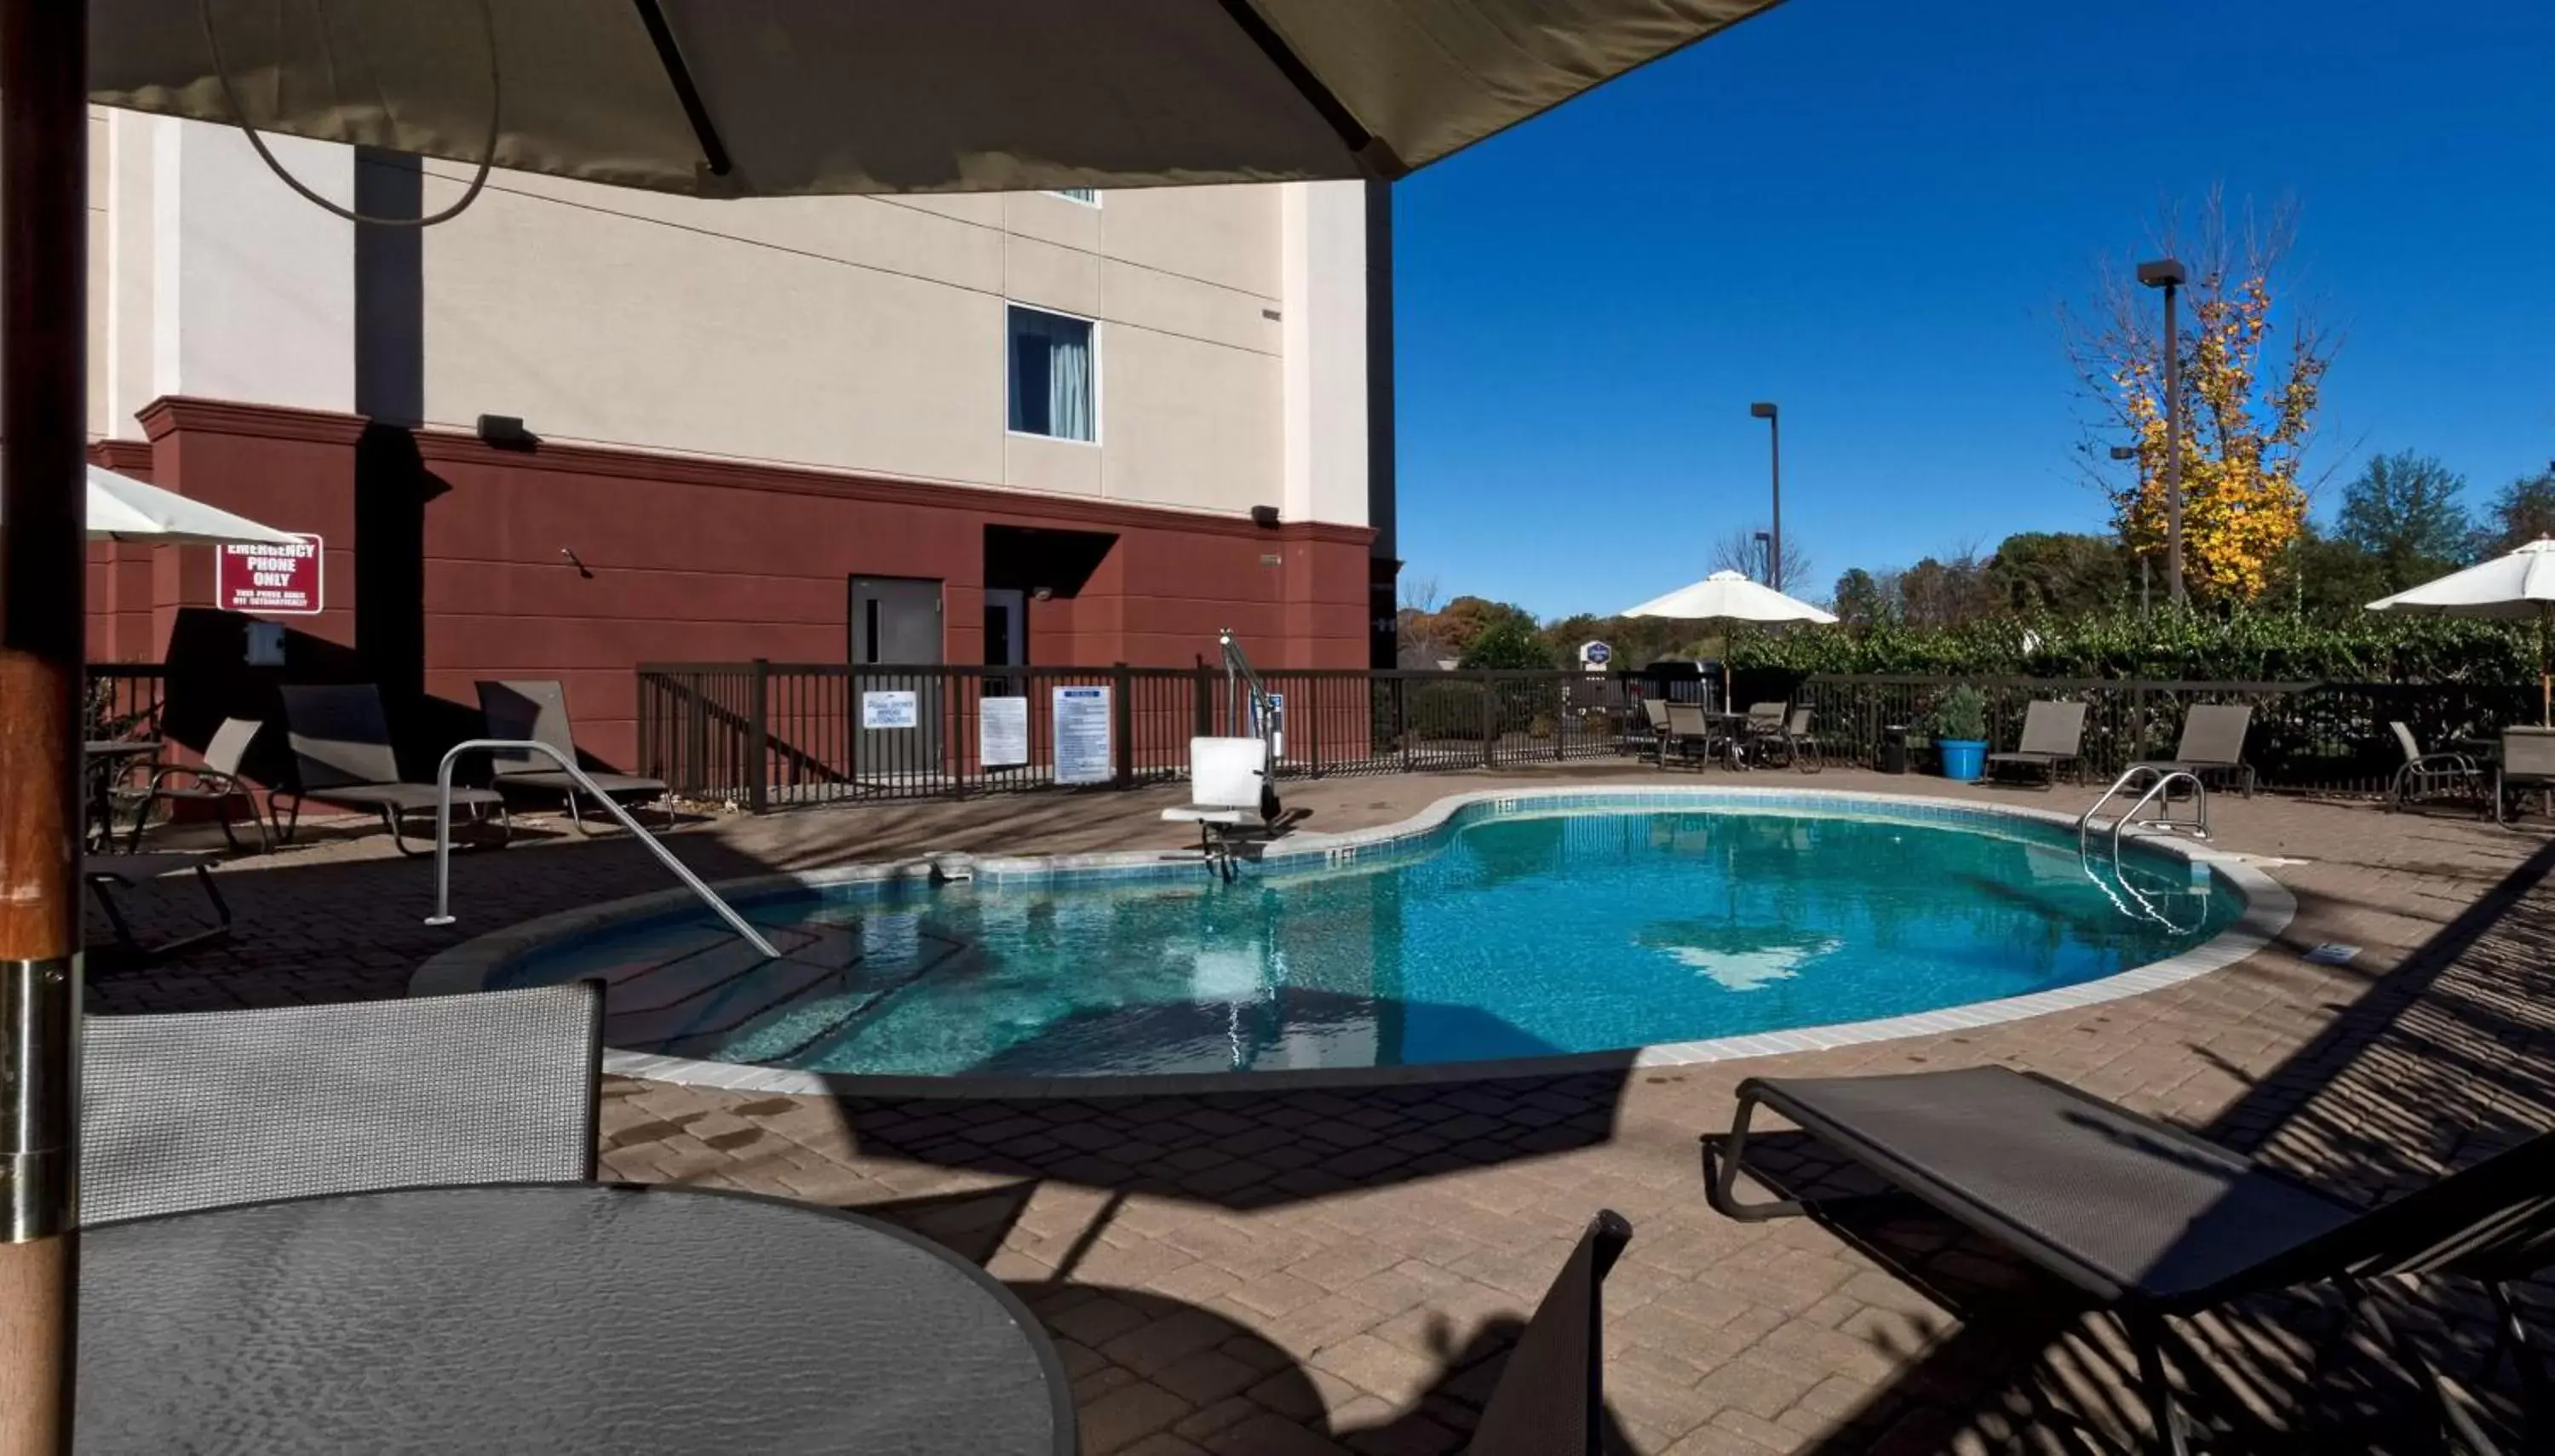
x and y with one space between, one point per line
1507 646
1961 713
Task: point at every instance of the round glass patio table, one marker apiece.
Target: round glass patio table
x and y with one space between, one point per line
553 1317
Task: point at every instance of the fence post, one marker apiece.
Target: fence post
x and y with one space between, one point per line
646 728
1401 728
1490 721
1205 700
1561 717
1122 724
758 741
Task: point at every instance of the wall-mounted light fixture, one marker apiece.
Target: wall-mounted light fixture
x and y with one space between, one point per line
1042 593
578 565
1264 517
506 432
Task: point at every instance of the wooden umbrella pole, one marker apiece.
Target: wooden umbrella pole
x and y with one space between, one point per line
44 421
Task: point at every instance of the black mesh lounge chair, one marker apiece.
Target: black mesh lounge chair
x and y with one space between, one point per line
2053 738
1689 731
206 1109
2430 775
2148 1220
2213 742
1551 1396
2528 765
341 749
216 781
109 876
535 711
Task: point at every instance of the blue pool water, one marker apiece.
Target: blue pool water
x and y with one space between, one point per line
1504 938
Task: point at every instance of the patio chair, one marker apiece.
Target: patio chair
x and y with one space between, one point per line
1799 748
2213 742
110 875
2424 774
216 782
1690 728
2148 1221
341 748
206 1109
1229 794
2053 737
2528 765
1551 1396
535 711
1655 712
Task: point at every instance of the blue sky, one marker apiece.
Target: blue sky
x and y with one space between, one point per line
1868 211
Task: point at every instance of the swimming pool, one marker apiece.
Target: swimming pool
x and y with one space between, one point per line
1493 932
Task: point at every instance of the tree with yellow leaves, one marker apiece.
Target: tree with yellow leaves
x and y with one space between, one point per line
2248 403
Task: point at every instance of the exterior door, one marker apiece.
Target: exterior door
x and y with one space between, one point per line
897 625
1007 637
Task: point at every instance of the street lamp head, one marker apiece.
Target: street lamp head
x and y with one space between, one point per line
2125 452
1762 410
2165 273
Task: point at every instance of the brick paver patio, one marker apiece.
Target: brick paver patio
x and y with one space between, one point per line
1311 1272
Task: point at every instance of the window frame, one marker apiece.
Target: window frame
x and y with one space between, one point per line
1074 195
1011 371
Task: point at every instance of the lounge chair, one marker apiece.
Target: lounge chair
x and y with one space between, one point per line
1229 794
341 747
2528 765
2425 774
2053 738
1551 1396
1800 750
535 711
110 875
207 1109
216 782
2147 1220
2213 742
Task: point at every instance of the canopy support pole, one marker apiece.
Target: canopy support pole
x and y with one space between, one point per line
43 445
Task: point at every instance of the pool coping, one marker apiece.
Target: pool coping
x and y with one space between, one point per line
2268 908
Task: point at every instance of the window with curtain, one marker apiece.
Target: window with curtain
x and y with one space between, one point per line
1055 375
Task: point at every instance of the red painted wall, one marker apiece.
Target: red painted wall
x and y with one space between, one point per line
702 561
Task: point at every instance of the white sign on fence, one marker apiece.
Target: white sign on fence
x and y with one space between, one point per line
1003 732
1082 749
894 709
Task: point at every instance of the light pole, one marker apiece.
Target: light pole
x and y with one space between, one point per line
1766 544
2168 275
1764 411
2131 452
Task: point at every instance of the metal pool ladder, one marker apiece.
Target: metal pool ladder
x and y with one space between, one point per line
443 837
2159 795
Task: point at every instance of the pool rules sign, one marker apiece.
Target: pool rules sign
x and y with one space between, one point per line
279 580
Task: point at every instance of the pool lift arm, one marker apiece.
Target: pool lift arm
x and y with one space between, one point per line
1242 685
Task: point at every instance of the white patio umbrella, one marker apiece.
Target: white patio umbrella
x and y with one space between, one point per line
1729 596
121 508
2518 587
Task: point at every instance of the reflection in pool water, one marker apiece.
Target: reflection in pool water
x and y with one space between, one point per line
1514 936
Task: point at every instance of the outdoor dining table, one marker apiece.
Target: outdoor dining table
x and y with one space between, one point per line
552 1317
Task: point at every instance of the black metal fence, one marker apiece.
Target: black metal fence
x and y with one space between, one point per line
124 699
762 735
2312 737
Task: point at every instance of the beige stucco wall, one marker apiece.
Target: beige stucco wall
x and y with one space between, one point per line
860 334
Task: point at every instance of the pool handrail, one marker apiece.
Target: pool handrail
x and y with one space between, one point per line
443 835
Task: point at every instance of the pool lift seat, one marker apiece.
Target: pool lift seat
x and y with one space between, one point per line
1228 796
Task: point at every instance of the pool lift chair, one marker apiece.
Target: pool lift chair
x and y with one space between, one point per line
1232 791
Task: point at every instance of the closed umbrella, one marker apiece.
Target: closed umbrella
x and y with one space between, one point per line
121 508
2518 587
1729 596
717 98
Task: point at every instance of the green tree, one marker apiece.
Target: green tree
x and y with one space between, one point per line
1466 617
2036 571
2403 511
1508 644
1935 593
1860 600
2329 579
2520 514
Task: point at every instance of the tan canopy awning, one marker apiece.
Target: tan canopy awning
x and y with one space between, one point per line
778 97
